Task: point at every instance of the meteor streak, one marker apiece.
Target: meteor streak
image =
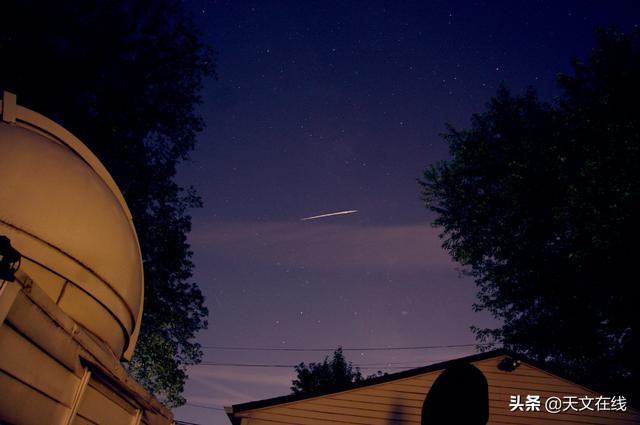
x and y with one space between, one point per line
329 215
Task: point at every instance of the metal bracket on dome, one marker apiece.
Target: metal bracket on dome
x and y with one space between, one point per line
9 259
9 263
9 109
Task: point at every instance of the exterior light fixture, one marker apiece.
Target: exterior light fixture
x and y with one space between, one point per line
508 364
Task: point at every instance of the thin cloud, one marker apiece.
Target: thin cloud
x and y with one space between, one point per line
325 246
217 390
224 386
227 374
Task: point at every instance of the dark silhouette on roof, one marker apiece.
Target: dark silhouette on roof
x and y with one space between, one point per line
460 395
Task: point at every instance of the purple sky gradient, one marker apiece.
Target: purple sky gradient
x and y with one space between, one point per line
330 106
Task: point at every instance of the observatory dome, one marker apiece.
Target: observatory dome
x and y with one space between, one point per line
63 212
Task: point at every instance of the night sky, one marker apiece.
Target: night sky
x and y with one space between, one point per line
331 106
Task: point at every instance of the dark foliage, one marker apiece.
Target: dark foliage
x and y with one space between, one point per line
328 375
541 202
124 76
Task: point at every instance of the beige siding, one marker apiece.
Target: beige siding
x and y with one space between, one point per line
58 383
12 404
400 402
41 371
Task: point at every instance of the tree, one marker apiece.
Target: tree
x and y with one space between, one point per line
328 375
540 203
124 76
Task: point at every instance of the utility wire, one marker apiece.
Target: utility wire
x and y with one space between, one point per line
388 365
209 363
292 366
243 364
423 347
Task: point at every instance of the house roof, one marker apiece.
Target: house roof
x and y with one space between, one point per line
236 408
238 411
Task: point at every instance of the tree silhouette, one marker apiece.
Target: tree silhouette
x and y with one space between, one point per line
540 202
124 76
328 375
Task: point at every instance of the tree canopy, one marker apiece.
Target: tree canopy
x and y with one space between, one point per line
125 77
327 375
540 202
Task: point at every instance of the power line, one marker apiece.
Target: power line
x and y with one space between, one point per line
387 365
422 347
244 365
292 366
206 363
285 366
